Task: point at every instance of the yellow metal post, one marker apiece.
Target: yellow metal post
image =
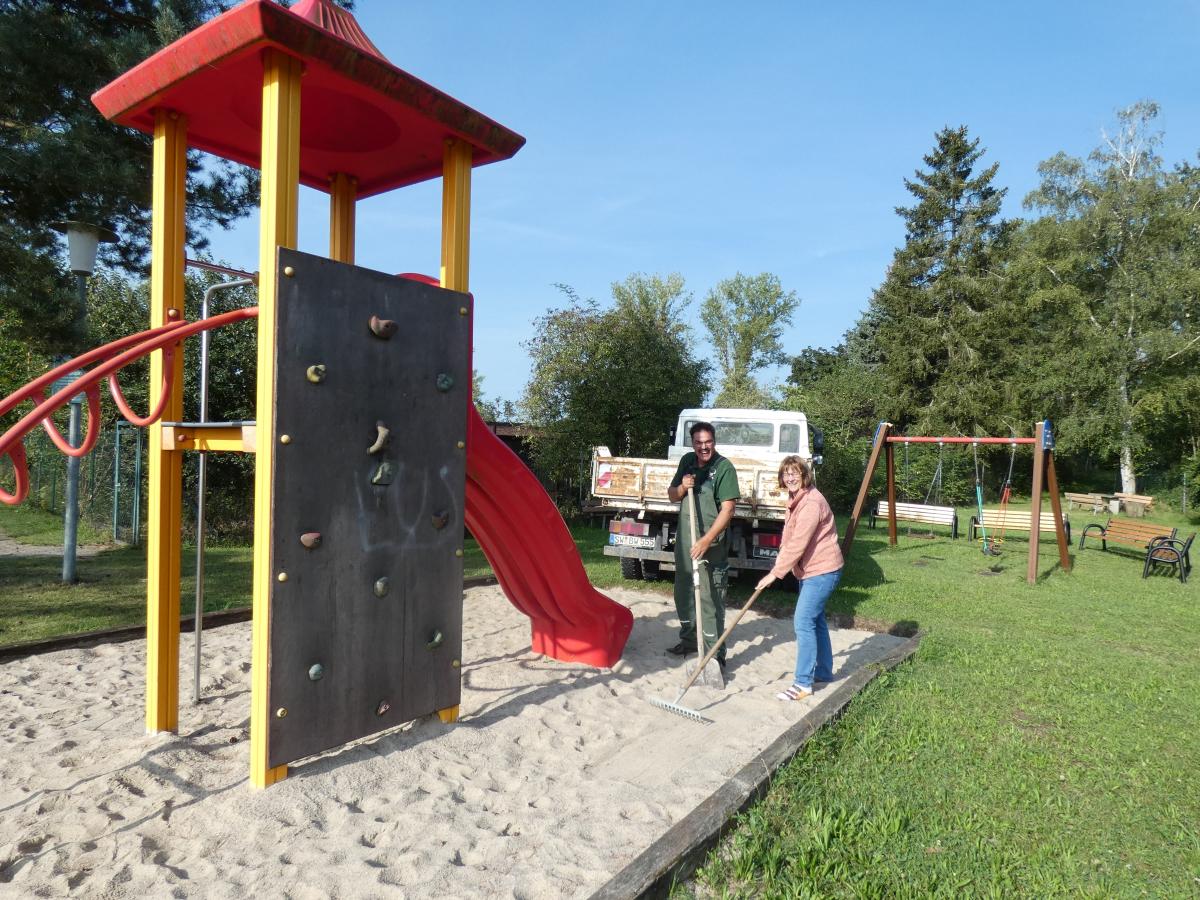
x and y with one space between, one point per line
343 191
456 246
166 487
277 228
456 215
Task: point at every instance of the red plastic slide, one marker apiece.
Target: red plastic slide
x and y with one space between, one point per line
535 558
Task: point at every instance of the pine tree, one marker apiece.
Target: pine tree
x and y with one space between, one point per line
63 160
930 326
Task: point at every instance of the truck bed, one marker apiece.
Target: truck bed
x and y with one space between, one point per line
623 482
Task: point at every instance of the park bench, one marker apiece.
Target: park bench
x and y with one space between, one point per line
919 512
1094 502
1136 504
1125 531
1000 520
1163 551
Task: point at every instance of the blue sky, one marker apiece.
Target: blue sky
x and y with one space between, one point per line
706 138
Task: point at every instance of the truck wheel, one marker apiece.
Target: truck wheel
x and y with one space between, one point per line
631 569
650 569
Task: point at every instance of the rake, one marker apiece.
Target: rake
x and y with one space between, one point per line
675 707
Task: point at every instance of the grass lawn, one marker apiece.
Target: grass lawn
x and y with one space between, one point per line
30 525
1042 741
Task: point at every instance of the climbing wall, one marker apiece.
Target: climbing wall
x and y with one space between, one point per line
371 394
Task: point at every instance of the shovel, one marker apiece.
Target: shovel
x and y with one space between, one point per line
675 707
711 673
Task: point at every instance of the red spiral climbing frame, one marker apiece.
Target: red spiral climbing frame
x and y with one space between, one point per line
107 361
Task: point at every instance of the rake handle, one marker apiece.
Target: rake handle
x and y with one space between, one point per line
717 646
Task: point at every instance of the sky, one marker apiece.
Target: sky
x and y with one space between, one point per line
708 138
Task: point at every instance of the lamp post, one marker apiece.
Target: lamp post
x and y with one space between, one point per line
83 240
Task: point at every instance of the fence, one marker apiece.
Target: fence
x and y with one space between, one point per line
111 481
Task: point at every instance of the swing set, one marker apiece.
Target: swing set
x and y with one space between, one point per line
1044 477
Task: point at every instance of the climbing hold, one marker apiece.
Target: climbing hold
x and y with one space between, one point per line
444 382
435 641
461 445
381 586
281 713
315 374
382 433
288 271
281 577
440 520
285 439
316 672
382 328
311 539
383 707
458 552
384 474
455 663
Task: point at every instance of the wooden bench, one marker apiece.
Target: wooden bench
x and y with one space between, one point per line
1094 502
1165 551
1136 504
1127 532
996 521
919 512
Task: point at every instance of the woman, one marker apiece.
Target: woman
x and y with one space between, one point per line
809 549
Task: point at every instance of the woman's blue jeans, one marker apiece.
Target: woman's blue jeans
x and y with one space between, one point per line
814 653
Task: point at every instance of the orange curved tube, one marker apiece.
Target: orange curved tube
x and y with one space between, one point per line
168 379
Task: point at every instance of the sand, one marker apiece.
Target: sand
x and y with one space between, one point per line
555 777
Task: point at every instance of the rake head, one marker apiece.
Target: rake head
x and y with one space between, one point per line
681 711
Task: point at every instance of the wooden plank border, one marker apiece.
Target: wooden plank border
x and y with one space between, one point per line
678 853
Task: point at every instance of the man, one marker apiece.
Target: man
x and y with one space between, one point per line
716 487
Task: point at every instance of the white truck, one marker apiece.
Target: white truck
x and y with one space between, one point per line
643 524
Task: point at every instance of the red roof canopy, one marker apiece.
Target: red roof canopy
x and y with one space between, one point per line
359 114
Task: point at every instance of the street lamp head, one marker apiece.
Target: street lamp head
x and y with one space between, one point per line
82 242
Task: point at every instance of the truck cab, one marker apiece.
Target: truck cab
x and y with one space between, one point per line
760 435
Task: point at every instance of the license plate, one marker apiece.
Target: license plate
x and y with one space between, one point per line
766 552
631 540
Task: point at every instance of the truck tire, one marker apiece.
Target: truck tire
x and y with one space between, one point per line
631 568
650 569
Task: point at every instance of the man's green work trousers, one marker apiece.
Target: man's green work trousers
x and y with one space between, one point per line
714 573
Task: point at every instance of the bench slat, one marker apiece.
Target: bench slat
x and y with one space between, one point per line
919 512
993 518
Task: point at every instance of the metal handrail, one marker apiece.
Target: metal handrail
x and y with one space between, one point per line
108 360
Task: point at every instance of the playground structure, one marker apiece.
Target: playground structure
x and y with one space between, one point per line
1044 478
369 455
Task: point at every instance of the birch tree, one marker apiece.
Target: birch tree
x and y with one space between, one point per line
1114 282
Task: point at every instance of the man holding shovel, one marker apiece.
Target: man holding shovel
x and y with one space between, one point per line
712 481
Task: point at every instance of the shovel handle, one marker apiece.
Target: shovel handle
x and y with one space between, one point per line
695 569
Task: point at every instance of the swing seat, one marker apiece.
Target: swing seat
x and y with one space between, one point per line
919 512
1014 520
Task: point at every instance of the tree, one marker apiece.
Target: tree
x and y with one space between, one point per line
491 410
841 395
616 376
934 326
1113 276
745 317
63 160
